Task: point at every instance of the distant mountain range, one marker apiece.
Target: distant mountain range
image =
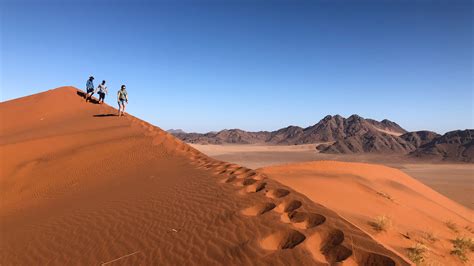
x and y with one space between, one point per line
456 145
354 134
175 131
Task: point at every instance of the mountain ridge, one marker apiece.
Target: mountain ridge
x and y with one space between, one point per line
355 134
321 131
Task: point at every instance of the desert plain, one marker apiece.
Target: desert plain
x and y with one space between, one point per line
452 179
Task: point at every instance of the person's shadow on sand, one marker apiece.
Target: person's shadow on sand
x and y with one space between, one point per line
105 115
94 101
83 95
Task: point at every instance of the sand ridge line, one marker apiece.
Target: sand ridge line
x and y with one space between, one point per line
419 214
116 206
171 145
304 228
248 181
252 182
128 255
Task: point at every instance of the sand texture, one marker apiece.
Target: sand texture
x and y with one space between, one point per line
364 193
81 186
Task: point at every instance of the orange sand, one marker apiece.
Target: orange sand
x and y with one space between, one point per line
80 186
360 192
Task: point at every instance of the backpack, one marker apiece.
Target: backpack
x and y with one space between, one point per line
122 94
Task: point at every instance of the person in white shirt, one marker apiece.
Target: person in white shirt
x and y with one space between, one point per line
102 91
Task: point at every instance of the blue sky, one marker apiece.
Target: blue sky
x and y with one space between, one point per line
254 65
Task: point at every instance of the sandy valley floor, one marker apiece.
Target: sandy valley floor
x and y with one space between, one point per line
454 180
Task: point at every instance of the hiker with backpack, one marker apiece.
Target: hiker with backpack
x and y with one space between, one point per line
102 91
122 98
89 88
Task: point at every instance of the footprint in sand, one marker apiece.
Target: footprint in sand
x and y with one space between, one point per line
232 178
240 171
331 249
259 209
304 220
288 206
277 193
244 182
255 187
282 240
327 247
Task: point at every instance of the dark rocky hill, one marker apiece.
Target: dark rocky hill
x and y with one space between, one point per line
329 129
455 145
354 134
420 138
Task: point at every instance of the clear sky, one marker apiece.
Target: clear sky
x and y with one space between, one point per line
254 65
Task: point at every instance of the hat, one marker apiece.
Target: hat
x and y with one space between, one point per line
91 77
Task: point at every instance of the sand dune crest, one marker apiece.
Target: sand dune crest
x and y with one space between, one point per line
82 186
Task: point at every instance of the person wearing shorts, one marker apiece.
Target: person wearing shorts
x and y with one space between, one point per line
102 91
122 99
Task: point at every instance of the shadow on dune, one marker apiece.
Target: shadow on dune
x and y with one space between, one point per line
105 115
83 94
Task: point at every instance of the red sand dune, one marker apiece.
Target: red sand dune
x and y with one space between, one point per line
80 186
360 192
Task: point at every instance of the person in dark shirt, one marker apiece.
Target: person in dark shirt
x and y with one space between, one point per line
89 88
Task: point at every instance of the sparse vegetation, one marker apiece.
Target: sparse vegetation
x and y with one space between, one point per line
385 195
461 247
417 253
453 226
469 229
430 236
406 235
381 223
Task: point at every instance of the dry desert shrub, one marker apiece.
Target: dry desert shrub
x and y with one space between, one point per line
417 253
430 236
469 229
385 195
381 223
451 225
461 247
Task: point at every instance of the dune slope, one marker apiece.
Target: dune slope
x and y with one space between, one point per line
80 186
363 193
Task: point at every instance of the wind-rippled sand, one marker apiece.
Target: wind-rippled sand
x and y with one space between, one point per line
454 180
80 186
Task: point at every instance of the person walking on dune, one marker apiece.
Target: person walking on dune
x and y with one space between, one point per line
89 88
122 99
102 91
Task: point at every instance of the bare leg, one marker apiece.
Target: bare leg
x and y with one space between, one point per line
123 109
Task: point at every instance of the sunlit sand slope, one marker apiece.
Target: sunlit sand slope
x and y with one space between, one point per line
394 208
80 186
